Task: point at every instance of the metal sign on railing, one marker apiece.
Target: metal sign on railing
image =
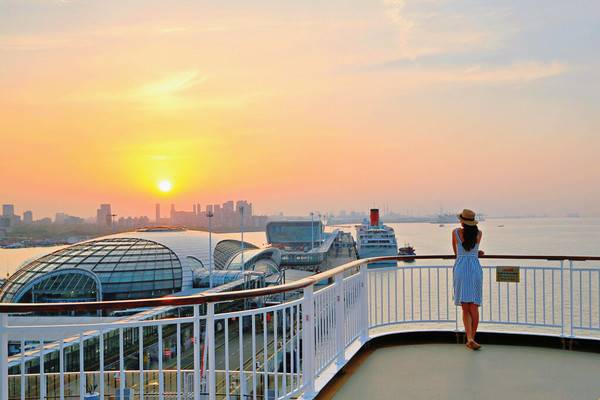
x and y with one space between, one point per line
508 274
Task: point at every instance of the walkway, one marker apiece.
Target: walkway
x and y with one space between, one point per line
449 371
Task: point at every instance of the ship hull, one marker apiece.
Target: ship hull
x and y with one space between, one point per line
380 252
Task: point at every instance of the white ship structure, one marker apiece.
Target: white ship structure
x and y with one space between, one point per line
374 239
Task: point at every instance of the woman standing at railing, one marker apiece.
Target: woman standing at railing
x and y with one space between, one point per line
468 275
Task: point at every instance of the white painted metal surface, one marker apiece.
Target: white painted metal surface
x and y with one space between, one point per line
293 348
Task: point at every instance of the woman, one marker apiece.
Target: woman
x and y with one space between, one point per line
468 275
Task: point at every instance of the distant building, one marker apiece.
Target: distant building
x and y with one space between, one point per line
5 222
225 217
133 222
8 210
66 219
183 218
104 215
28 217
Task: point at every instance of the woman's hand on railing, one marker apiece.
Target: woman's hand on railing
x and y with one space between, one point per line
481 253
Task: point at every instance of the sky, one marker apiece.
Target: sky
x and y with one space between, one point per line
301 106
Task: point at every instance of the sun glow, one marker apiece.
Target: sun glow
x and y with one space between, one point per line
165 186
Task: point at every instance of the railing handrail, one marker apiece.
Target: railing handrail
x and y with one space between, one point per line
213 297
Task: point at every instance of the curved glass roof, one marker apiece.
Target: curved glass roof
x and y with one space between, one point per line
252 256
126 268
225 250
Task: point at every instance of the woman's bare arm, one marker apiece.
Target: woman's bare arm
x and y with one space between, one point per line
481 252
454 243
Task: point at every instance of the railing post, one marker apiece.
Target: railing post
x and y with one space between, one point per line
196 387
210 329
4 356
562 301
308 342
364 294
340 322
571 297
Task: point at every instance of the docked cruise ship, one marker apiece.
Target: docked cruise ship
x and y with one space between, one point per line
374 239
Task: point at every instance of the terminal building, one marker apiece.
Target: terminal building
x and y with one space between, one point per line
147 263
305 245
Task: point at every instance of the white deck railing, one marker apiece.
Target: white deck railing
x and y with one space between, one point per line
291 349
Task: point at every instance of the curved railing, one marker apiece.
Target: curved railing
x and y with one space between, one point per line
203 345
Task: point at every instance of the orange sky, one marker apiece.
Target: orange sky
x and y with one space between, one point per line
299 106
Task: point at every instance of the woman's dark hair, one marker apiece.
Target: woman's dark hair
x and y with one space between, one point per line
470 233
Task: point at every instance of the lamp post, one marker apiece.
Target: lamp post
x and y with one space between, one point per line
209 215
242 232
320 239
312 230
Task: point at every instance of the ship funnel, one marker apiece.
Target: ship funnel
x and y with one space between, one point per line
374 216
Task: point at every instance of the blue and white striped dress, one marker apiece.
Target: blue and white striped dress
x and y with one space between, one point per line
468 275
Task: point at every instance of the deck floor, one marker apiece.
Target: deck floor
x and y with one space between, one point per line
450 371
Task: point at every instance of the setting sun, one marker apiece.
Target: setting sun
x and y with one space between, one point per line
165 186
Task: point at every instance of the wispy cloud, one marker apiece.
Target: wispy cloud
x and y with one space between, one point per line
170 86
84 38
520 72
436 28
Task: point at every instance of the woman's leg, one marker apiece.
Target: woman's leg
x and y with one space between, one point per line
467 321
474 312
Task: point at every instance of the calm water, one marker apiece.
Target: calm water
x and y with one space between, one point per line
546 236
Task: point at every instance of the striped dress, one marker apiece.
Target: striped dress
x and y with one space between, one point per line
468 275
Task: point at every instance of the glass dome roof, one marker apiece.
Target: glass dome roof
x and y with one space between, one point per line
122 268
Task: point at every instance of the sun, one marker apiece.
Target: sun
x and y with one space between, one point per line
165 186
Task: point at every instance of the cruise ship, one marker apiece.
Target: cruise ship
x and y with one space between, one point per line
374 239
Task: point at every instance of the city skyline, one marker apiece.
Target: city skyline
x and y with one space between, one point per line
166 214
301 106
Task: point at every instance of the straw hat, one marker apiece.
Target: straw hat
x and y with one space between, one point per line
467 217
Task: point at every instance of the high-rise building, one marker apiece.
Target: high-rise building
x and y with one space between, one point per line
66 219
157 213
27 217
247 207
104 215
59 218
228 207
8 210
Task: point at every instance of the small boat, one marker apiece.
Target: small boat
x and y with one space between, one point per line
500 226
441 225
407 250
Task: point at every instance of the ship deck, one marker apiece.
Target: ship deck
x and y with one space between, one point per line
450 371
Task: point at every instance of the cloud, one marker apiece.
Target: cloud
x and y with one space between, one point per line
170 86
85 38
520 72
434 27
34 42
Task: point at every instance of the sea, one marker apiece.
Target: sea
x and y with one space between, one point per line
521 236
